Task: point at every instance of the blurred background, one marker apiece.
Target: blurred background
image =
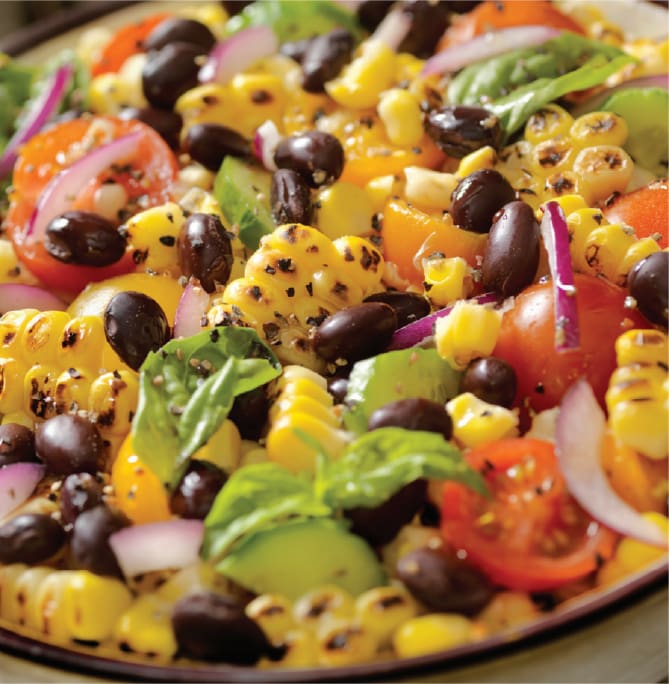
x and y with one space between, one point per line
17 14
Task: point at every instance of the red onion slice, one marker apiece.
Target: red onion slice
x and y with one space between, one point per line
17 483
579 434
18 296
393 28
486 46
556 241
238 53
191 309
59 194
592 103
39 114
265 142
412 334
167 545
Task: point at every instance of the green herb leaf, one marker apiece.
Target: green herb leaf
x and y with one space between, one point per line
186 391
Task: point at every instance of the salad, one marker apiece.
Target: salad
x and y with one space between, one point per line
332 331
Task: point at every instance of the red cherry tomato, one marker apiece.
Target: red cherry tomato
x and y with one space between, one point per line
527 340
530 535
147 181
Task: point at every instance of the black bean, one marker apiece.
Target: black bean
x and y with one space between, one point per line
295 49
135 325
372 12
197 490
204 250
444 583
337 387
459 130
209 626
249 413
648 283
69 443
380 524
428 23
408 306
89 545
84 238
233 7
511 255
325 57
179 30
17 444
318 157
413 414
210 143
462 6
290 198
79 492
165 122
490 379
356 332
478 197
169 73
30 538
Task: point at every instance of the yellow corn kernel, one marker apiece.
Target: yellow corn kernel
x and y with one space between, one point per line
637 251
365 78
146 627
12 373
344 642
560 183
507 610
642 346
321 605
48 615
552 156
605 250
72 391
580 224
476 422
470 330
548 122
113 401
432 633
300 386
429 189
42 335
224 448
130 78
634 555
11 269
191 579
292 373
299 649
383 610
209 103
344 209
18 417
446 280
39 391
12 325
408 67
641 427
93 604
273 613
106 94
82 342
400 113
361 262
297 404
153 235
483 158
571 203
599 128
18 600
381 189
9 574
602 170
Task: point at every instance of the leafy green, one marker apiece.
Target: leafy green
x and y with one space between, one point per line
15 84
186 390
518 83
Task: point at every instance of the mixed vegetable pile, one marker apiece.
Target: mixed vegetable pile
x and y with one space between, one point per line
332 331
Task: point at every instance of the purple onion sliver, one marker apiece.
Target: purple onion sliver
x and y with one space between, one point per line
265 142
393 28
17 483
191 309
592 103
39 114
556 241
19 296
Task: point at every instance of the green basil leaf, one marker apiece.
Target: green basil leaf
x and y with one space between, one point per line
186 390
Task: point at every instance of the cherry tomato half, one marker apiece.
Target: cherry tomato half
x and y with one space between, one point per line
530 535
527 340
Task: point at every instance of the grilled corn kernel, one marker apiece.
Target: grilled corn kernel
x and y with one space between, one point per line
476 422
48 615
19 417
344 209
602 170
42 335
72 390
552 156
113 401
12 325
580 224
12 374
344 642
18 600
146 627
400 113
274 615
642 346
446 280
483 158
605 250
429 189
321 605
470 330
299 648
561 183
9 575
383 610
82 342
548 122
432 633
599 128
39 391
634 555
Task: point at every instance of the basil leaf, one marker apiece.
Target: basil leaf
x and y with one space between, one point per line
186 391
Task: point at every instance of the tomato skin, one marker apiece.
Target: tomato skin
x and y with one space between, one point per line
645 209
530 535
527 340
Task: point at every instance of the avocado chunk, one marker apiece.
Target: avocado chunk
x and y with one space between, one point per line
243 190
401 374
294 558
646 111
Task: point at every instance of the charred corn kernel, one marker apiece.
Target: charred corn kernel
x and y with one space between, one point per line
146 627
321 605
223 449
273 613
560 183
365 78
244 89
93 604
299 649
42 335
344 642
599 128
12 373
400 113
429 189
548 122
72 391
470 330
476 422
18 600
642 346
9 575
446 280
483 158
580 224
431 633
82 340
506 610
48 615
39 391
380 189
552 156
11 269
12 325
602 170
209 103
383 610
19 417
112 402
634 555
344 209
605 250
153 235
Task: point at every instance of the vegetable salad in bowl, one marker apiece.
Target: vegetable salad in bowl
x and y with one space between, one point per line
332 333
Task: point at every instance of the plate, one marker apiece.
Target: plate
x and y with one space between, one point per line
616 634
